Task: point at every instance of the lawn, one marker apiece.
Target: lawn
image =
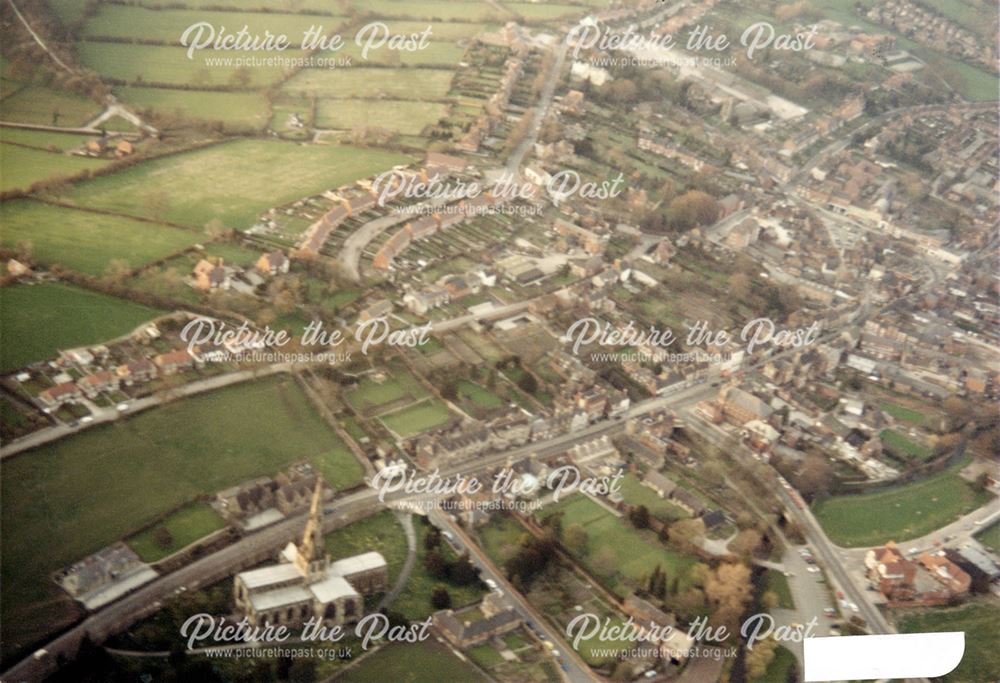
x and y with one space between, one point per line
369 395
903 413
186 526
981 624
36 321
420 417
777 583
636 553
903 447
898 513
85 241
402 84
70 498
399 116
990 537
426 662
241 109
21 167
381 532
636 493
233 181
482 397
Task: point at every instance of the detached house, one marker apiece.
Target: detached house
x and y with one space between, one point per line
273 263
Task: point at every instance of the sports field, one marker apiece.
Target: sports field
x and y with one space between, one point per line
85 241
38 320
70 498
362 82
898 513
233 181
20 167
636 554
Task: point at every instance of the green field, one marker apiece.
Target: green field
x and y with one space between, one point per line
362 82
420 417
777 583
426 662
381 532
482 397
471 10
399 116
119 21
38 320
186 526
899 513
43 139
636 493
240 109
20 167
544 11
637 553
85 241
779 668
233 181
437 52
903 447
903 413
170 65
65 500
990 537
38 104
981 624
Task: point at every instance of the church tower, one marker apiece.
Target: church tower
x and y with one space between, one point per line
311 560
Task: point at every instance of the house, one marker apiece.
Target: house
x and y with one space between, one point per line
174 361
97 382
476 624
378 309
124 148
739 406
663 486
892 574
208 275
273 263
140 370
946 572
57 395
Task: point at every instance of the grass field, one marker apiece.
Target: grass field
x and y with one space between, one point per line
903 447
119 21
400 116
38 320
482 397
981 624
42 139
420 417
70 498
777 583
903 413
426 662
432 9
233 182
543 12
233 108
381 532
636 493
170 65
362 82
39 104
186 526
20 167
84 241
990 537
899 513
437 52
637 554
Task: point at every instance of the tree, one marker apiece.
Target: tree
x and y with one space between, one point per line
729 591
687 534
440 598
528 383
639 516
117 271
692 208
746 543
759 658
815 476
575 538
449 391
436 565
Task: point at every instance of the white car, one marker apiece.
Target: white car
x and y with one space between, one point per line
491 584
854 607
812 569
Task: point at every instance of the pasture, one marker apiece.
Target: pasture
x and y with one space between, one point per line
67 499
238 109
36 321
400 116
898 513
364 82
20 167
233 181
85 241
41 105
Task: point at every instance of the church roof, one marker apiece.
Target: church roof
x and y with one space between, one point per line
280 597
358 563
332 588
268 576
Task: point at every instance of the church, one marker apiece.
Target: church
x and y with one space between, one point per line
305 584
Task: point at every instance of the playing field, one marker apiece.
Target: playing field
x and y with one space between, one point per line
20 167
186 526
170 65
426 662
362 82
85 241
420 417
899 513
233 108
400 116
234 181
636 555
70 498
38 320
980 622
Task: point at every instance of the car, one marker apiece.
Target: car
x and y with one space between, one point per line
491 584
812 569
87 419
122 407
913 551
854 607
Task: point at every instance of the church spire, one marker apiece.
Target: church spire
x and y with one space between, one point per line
310 551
